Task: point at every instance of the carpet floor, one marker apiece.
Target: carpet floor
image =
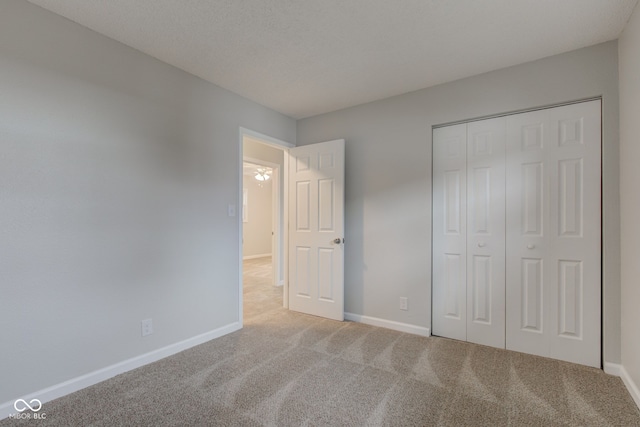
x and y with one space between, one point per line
289 369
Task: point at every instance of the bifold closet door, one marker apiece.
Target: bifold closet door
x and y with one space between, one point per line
468 232
449 231
554 232
486 232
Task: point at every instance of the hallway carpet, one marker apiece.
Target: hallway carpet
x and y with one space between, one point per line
290 369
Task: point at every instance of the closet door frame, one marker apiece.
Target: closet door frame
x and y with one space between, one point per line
543 345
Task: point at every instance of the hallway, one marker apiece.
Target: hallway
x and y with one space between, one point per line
260 296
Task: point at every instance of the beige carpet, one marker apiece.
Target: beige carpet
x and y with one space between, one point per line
289 369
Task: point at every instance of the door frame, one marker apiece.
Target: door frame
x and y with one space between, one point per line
284 146
607 367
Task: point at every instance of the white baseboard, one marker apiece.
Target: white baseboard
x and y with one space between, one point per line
619 371
256 256
389 324
612 368
83 381
634 391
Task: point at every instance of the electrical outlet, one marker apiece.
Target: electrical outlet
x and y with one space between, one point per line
403 303
147 327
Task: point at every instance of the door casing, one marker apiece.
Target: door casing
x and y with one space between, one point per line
284 146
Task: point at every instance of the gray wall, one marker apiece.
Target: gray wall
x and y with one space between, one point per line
388 176
630 204
115 175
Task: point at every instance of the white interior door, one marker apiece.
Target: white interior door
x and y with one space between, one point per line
316 229
449 309
554 233
486 232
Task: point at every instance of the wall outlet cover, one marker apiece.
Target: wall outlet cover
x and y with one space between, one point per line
147 327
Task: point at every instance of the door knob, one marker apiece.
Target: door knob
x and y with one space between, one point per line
481 245
531 246
338 240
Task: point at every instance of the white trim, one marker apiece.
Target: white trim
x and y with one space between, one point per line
256 256
240 224
266 139
285 231
511 113
389 324
634 391
276 231
619 371
83 381
612 368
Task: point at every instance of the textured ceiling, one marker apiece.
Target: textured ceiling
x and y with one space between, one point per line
307 57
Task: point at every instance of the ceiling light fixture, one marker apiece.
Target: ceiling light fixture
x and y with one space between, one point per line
262 175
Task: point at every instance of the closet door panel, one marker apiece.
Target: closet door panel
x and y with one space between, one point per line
527 208
575 224
449 312
486 232
554 233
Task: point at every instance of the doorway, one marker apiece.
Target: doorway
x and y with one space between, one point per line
312 191
262 213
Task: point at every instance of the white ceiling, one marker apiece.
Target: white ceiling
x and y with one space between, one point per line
307 57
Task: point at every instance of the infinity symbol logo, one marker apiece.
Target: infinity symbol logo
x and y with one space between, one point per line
37 405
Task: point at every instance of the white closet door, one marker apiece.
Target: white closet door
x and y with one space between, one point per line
486 232
554 223
449 317
527 232
576 223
